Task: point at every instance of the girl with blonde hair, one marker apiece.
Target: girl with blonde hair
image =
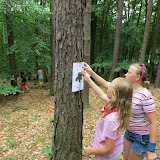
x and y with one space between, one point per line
140 136
108 140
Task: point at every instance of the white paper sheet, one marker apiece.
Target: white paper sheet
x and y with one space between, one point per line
77 78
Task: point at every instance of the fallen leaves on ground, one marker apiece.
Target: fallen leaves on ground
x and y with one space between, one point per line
25 128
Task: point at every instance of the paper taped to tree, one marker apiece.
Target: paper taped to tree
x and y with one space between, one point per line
77 78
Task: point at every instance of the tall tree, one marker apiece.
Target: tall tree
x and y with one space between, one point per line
93 32
87 41
69 48
153 51
157 81
52 50
146 32
11 43
117 40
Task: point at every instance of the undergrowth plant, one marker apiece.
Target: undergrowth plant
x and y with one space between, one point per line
47 149
35 117
10 158
41 139
12 142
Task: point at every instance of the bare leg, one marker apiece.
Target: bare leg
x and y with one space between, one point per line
129 154
126 150
135 156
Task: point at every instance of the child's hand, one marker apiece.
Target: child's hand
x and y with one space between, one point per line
88 151
87 67
85 75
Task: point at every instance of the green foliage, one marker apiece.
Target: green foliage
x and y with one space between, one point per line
20 107
2 147
40 139
48 149
105 90
31 30
10 158
103 64
12 142
35 117
7 90
123 65
51 120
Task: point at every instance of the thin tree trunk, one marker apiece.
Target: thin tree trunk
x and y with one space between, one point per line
11 42
146 32
157 81
102 28
153 51
52 51
117 41
93 33
4 35
139 15
87 41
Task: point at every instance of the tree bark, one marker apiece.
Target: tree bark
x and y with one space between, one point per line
52 51
139 15
117 40
11 42
93 33
153 51
69 48
87 41
146 32
157 81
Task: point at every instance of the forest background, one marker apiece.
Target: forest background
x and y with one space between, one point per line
25 38
37 34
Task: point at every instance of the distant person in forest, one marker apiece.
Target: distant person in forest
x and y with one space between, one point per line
23 82
40 77
141 134
108 140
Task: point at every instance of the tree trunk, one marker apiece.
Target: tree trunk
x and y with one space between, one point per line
146 32
87 41
4 35
11 42
69 48
153 51
93 33
139 15
117 40
52 39
157 81
102 28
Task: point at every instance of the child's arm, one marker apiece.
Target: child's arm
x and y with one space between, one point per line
98 91
96 77
153 132
107 148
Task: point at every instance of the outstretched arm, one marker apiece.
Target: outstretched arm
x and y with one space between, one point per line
96 77
98 90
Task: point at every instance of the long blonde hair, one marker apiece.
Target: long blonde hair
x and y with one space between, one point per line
123 100
138 70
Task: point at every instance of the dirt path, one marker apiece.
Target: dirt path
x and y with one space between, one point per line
25 128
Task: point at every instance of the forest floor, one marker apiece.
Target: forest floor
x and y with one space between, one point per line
25 129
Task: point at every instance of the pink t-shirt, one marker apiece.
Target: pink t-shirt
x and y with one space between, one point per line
142 103
104 129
